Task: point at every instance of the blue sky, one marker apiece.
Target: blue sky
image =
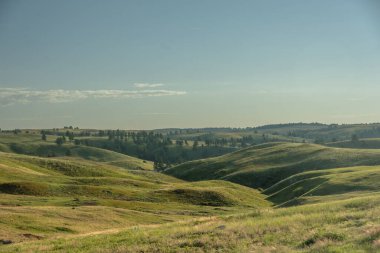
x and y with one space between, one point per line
154 64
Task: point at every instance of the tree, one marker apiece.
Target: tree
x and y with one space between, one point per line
319 140
71 136
158 166
43 137
354 138
60 140
195 145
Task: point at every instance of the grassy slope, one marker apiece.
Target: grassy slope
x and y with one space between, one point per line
31 144
311 132
323 185
342 226
92 206
218 134
264 165
49 197
366 143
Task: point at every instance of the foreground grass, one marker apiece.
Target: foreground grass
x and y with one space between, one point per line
43 198
341 226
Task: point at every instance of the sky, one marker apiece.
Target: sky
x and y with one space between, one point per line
142 64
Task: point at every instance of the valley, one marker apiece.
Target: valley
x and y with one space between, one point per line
93 199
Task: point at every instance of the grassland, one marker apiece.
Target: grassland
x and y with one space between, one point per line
327 133
340 226
325 185
50 197
273 197
32 144
365 143
264 165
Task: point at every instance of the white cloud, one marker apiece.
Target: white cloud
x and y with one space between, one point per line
147 85
22 95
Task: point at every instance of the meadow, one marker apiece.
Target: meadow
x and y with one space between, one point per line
270 197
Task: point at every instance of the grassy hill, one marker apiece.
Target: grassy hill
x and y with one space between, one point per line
323 185
366 143
311 198
322 132
50 197
340 226
264 165
31 144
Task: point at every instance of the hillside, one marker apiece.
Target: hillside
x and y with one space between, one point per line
314 199
366 143
322 132
31 144
50 197
264 165
325 185
340 226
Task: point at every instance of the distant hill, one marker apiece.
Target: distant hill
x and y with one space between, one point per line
264 165
323 133
366 143
31 144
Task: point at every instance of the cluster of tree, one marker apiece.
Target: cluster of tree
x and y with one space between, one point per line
70 127
16 131
60 140
153 146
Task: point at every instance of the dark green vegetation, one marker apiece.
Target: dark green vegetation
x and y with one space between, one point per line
365 143
322 133
82 194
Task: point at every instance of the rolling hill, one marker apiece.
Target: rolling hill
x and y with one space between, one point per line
322 185
308 198
263 166
31 144
340 226
50 197
366 143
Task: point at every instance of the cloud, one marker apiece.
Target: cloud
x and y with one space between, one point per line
147 85
10 96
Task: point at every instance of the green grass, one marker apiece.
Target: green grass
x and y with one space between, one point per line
340 226
264 165
31 144
365 143
50 197
314 199
312 186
